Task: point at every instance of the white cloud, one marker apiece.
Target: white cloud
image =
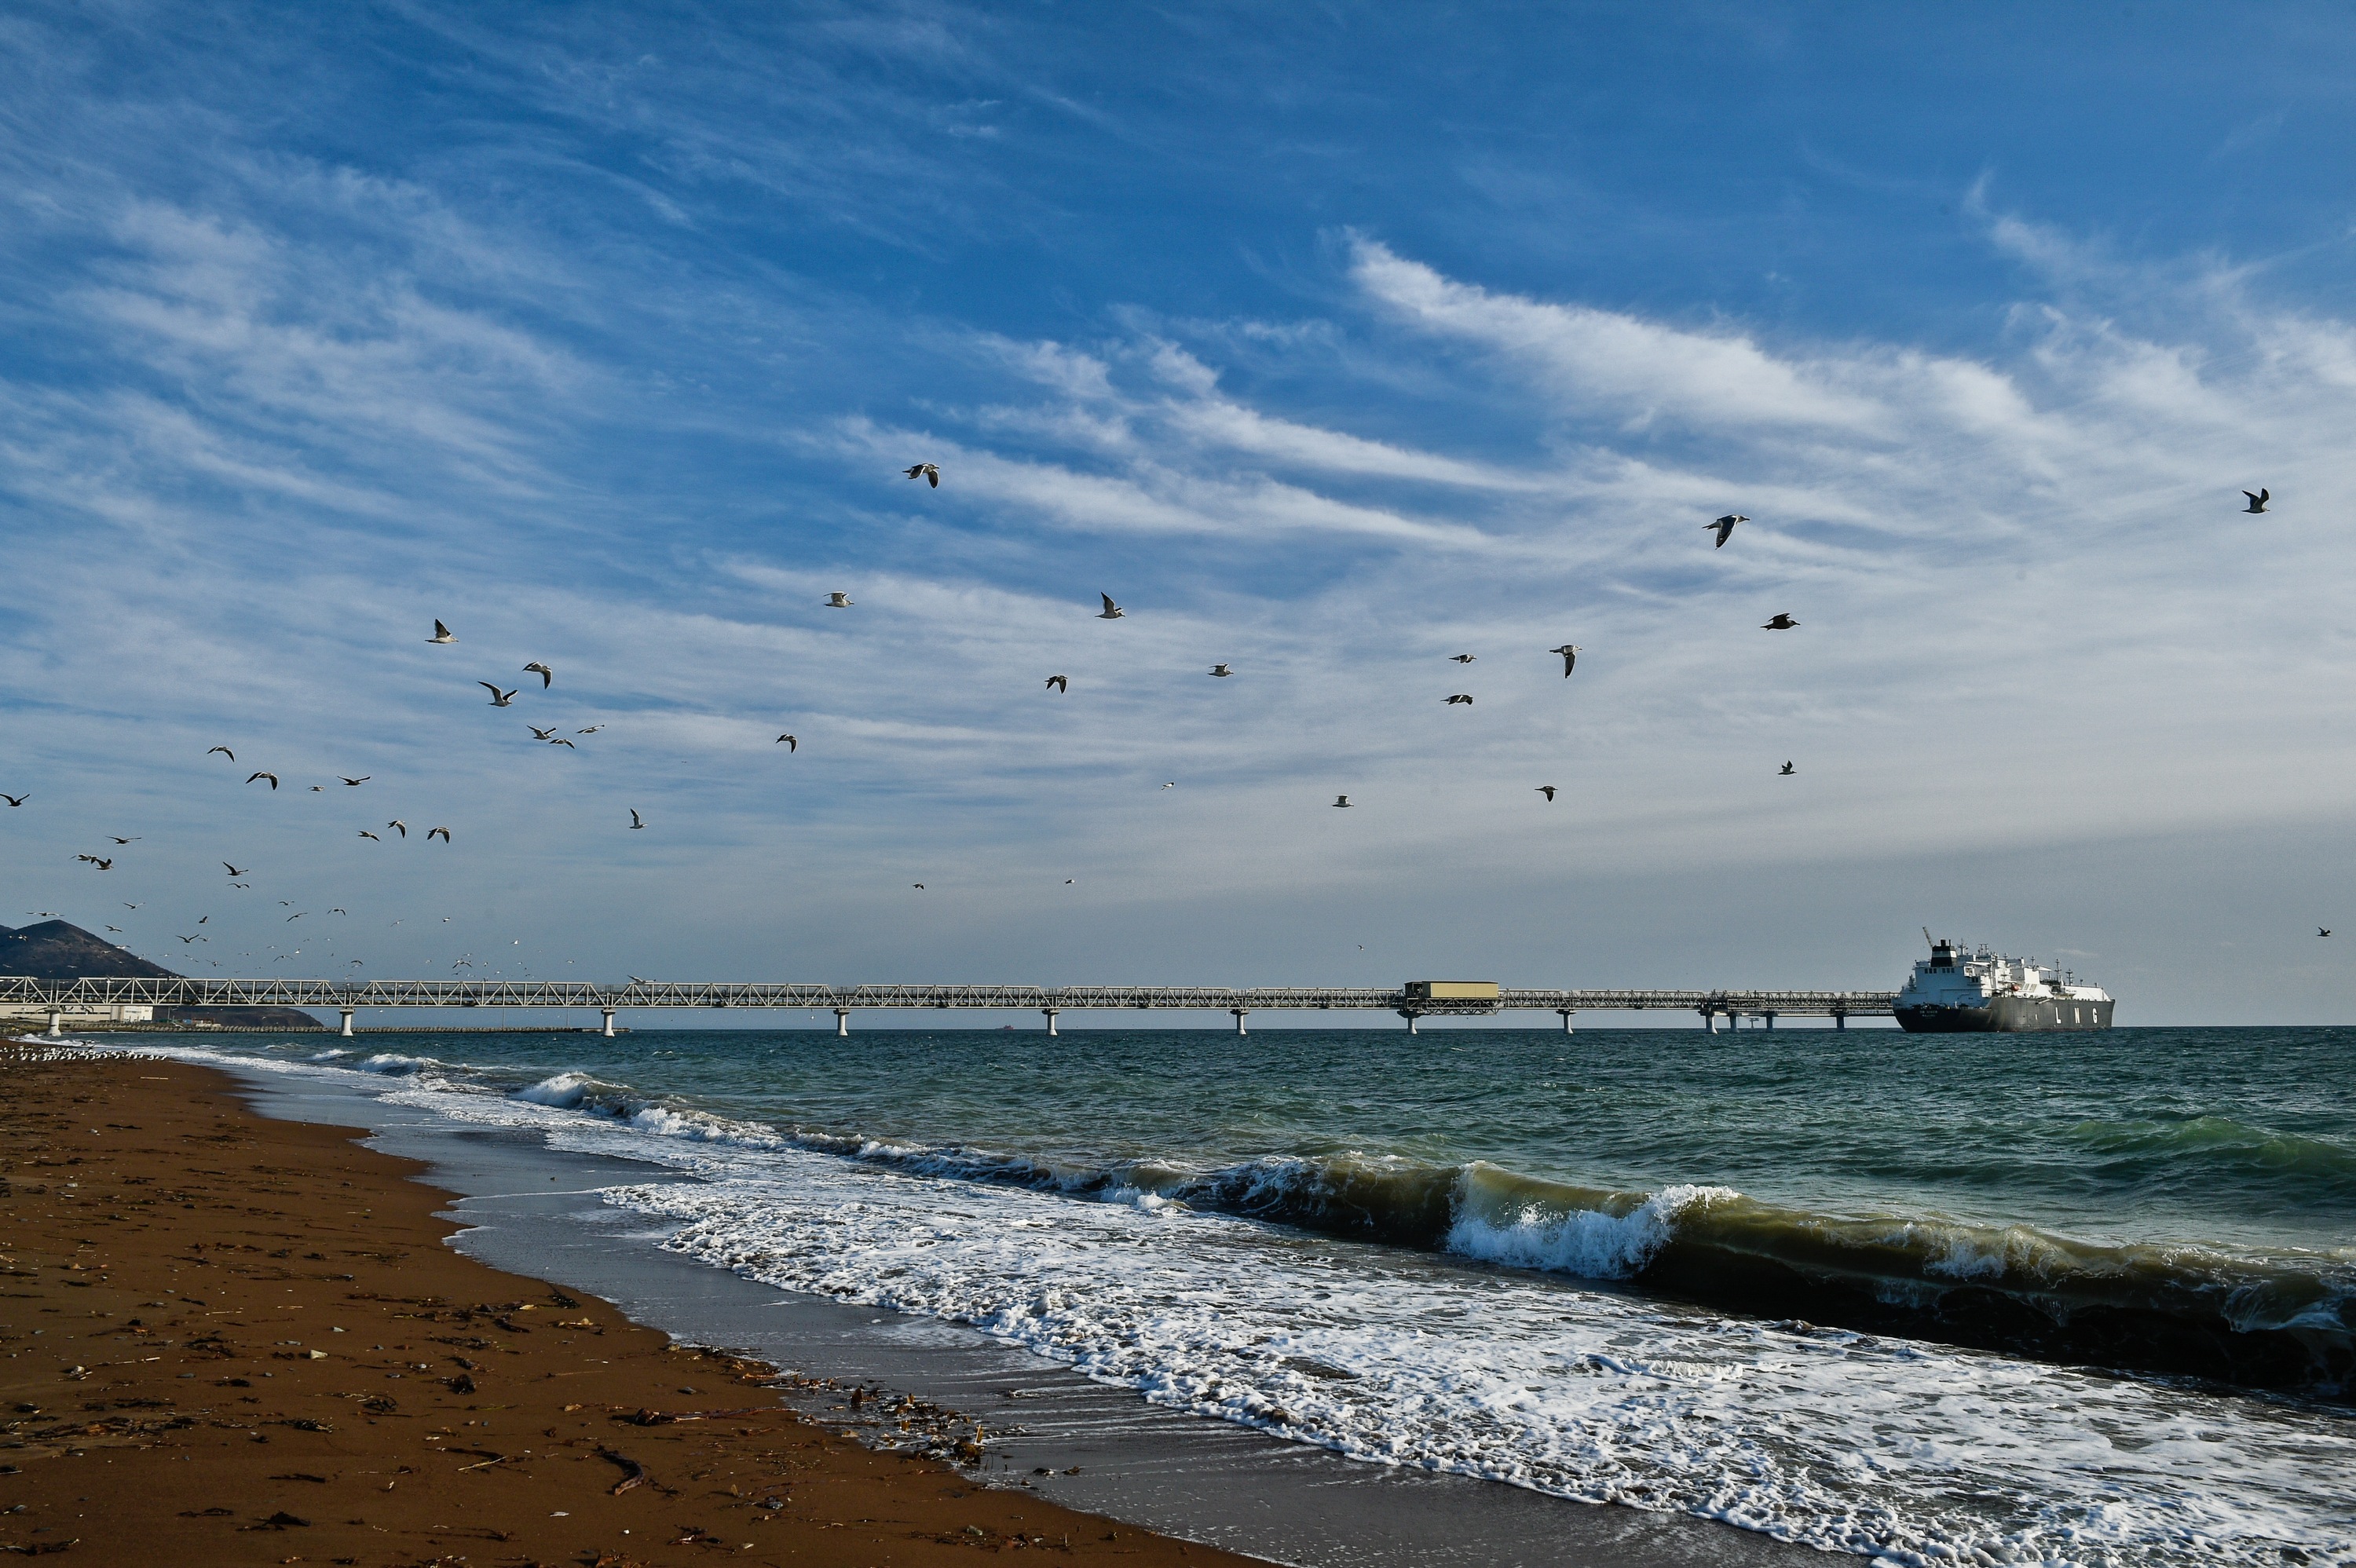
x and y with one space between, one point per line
1614 364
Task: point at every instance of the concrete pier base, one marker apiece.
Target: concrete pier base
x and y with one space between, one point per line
608 1031
346 1031
842 1021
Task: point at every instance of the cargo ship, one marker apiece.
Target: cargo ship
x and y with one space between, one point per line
1980 992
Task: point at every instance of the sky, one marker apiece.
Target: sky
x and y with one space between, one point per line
1332 341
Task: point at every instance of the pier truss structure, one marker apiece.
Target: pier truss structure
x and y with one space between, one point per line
19 994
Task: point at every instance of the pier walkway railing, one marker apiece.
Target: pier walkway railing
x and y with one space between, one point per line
18 993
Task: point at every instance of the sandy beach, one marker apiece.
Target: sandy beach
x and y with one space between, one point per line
234 1339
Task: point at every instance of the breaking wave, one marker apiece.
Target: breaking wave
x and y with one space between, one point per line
2284 1322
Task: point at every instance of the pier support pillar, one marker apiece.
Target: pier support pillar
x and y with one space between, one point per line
346 1031
57 1024
1051 1013
843 1022
1771 1020
1710 1019
1840 1021
1239 1013
608 1031
1566 1013
1410 1021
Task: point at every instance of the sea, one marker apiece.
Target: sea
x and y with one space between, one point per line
2083 1298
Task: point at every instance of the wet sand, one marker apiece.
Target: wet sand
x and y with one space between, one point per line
234 1339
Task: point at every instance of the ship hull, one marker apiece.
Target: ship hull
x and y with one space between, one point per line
2008 1015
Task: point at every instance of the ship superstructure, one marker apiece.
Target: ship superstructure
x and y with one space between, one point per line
1979 992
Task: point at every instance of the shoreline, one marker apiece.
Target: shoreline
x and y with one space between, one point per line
538 1212
247 1339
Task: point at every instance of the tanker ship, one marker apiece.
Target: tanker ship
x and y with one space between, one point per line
1980 992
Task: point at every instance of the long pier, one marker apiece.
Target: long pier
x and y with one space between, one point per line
60 996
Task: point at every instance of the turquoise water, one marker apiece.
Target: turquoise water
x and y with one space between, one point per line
2068 1298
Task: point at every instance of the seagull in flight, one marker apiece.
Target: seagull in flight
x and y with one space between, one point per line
402 826
235 871
225 751
1221 670
1785 771
432 831
1547 790
1465 697
1111 612
1782 622
101 865
635 820
1062 683
547 675
1725 527
271 777
442 634
918 886
568 745
116 929
499 699
591 731
1462 658
789 742
134 839
184 939
2258 501
21 799
318 789
930 472
366 834
839 602
1340 800
357 782
540 734
1172 784
2319 931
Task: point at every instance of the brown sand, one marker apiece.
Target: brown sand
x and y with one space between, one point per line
229 1339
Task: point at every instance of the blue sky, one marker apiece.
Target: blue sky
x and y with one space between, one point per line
1333 341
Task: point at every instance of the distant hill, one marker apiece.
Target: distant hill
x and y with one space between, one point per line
58 950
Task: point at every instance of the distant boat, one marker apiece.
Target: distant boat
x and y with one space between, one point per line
1955 992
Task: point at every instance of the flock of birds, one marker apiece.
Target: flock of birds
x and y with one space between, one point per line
501 696
1569 652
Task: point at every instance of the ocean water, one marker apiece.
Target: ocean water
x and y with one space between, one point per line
2085 1299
